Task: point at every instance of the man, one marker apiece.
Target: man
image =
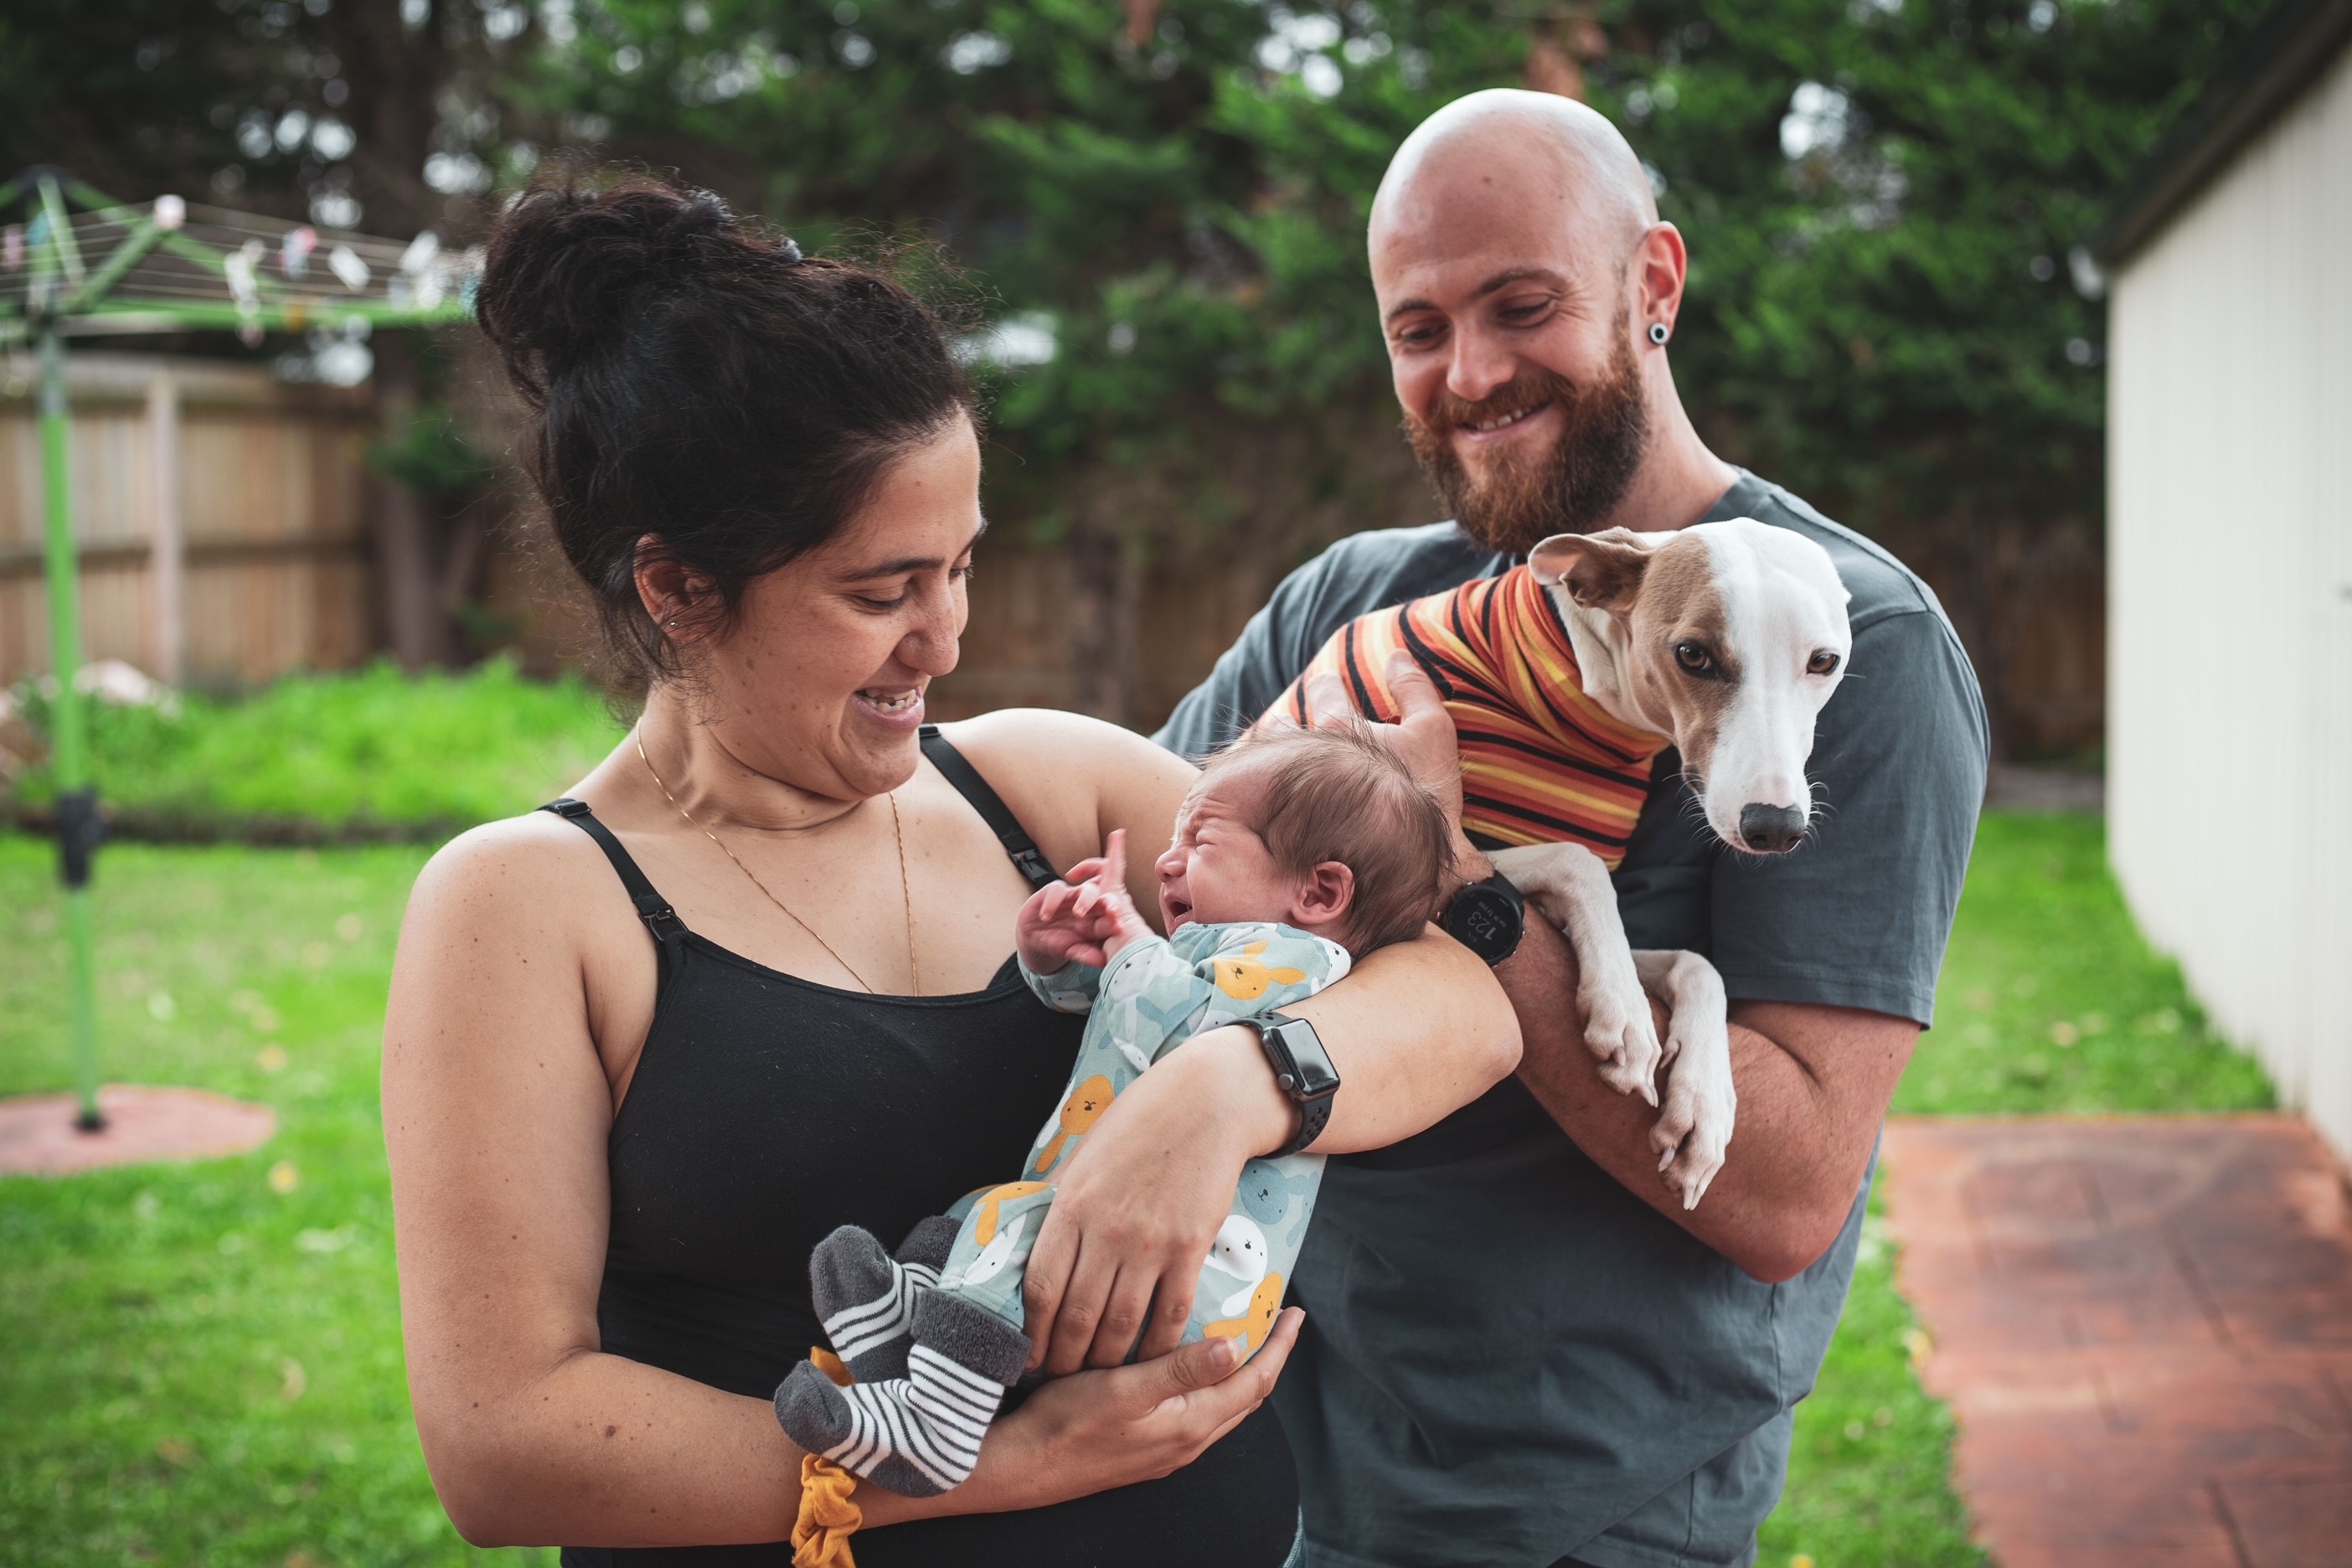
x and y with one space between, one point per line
1519 1348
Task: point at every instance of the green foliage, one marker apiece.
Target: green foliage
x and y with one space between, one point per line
433 458
1887 319
1884 319
1881 312
440 752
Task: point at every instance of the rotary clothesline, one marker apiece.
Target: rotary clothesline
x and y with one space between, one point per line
75 262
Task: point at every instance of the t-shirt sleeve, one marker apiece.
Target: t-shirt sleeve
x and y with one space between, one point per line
1858 916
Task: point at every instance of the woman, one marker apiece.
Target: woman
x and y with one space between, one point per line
753 981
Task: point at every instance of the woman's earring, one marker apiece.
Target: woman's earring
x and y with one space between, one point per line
1659 334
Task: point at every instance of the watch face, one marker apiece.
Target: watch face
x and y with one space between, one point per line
1484 922
1310 1067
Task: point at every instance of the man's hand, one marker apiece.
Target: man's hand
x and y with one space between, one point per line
1089 919
1423 738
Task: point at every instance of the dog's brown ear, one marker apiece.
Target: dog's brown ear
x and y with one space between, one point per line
1601 571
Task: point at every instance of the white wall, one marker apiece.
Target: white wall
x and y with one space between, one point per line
2229 585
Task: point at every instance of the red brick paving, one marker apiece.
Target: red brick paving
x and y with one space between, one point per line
2144 1327
37 1135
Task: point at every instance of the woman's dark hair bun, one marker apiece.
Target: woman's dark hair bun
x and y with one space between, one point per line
569 259
699 388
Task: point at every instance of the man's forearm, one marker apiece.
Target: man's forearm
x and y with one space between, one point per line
1808 1111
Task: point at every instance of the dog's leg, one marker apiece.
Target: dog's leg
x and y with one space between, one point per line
1570 886
1694 1126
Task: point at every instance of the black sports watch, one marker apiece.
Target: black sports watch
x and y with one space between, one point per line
1302 1070
1489 918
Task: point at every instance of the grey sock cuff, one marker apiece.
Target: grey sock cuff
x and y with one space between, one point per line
970 1336
930 1242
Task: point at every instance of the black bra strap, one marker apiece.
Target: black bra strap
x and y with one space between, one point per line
652 907
990 805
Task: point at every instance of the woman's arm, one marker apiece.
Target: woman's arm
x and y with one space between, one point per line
496 1109
496 1112
1417 1031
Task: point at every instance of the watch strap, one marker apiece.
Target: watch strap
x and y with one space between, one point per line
1314 1115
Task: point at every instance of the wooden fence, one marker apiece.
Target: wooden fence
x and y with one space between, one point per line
221 519
225 530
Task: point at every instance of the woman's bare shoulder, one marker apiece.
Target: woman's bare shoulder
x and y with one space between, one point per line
1051 746
536 862
1071 779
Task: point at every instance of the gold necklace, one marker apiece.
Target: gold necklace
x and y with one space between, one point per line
905 892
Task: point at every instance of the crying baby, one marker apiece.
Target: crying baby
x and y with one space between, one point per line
1296 853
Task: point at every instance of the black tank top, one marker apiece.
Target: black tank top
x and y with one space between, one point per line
765 1111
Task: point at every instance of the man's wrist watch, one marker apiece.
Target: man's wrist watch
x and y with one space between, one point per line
1302 1070
1489 918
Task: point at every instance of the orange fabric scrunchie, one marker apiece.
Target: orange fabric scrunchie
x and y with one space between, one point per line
828 1518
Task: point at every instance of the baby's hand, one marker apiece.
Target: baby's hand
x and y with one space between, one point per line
1088 920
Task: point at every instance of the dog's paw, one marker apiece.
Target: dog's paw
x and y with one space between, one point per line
1621 1033
1694 1127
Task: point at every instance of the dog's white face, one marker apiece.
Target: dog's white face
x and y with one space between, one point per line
1729 636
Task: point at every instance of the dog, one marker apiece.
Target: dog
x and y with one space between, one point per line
1566 676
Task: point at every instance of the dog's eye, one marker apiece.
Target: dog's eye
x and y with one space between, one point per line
1693 657
1823 663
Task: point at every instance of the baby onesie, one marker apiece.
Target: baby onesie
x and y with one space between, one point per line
930 1339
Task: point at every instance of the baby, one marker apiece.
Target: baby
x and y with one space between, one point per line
1297 853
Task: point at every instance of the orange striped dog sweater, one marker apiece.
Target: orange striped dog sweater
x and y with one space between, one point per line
1542 761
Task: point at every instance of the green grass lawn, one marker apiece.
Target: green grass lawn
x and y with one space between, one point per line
204 1368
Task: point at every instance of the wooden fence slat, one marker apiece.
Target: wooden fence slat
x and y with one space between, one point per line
266 569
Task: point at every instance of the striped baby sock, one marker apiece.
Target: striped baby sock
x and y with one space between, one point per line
865 1298
919 1435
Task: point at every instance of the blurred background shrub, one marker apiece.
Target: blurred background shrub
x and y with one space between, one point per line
372 753
1152 212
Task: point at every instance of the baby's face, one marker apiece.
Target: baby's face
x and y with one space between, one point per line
1218 870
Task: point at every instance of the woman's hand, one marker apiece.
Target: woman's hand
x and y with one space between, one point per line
1139 1204
1097 1430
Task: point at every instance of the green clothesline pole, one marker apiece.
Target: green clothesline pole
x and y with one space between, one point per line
76 802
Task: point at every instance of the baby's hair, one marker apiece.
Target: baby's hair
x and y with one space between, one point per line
1338 793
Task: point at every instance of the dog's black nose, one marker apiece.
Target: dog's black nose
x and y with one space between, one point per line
1770 829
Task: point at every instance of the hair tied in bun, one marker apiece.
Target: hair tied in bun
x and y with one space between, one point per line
788 251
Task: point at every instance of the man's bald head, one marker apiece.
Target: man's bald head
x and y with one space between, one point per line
1527 290
1546 158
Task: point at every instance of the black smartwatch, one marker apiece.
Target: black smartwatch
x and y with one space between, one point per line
1302 1070
1489 918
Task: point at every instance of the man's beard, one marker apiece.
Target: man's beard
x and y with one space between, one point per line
1526 498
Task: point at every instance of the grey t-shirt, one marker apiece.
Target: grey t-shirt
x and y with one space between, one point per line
1508 1358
